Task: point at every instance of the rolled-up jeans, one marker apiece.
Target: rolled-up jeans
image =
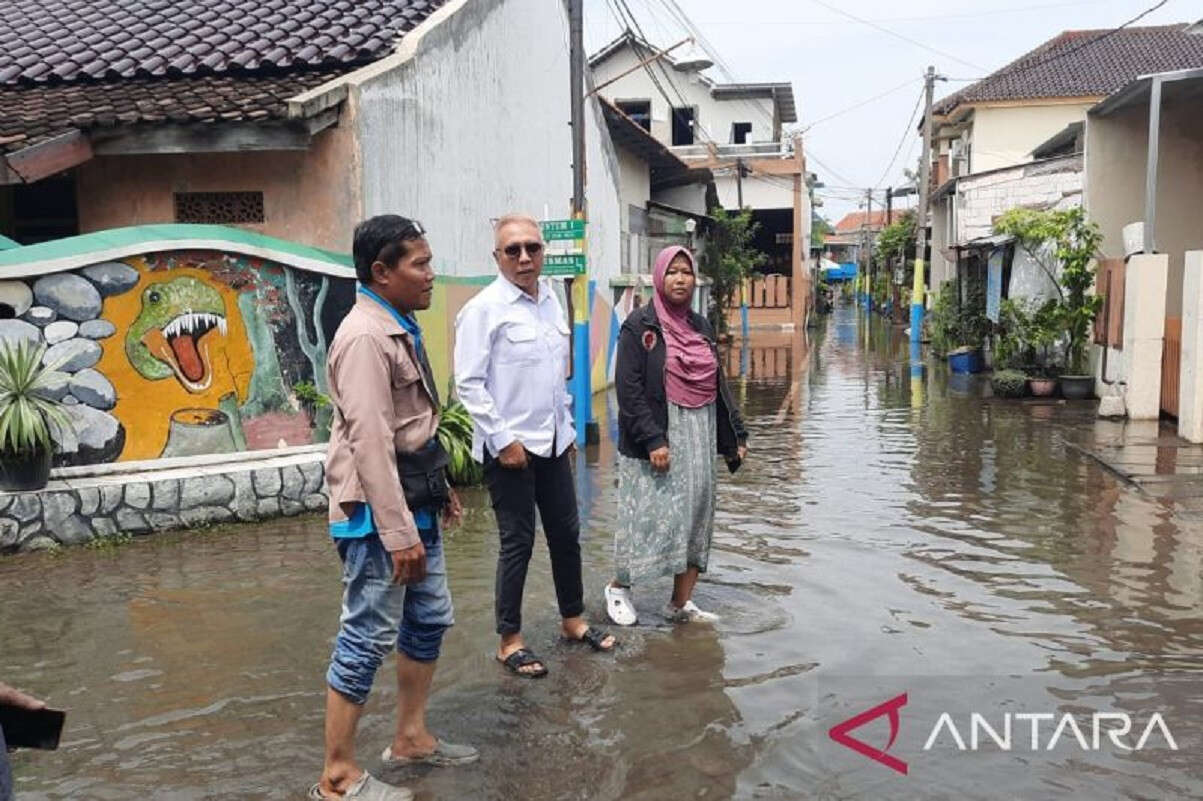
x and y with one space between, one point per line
378 615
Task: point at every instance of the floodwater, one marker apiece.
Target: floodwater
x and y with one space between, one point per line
893 533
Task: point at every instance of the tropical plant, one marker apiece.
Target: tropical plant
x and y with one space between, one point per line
897 239
728 260
310 398
455 435
1064 244
942 320
27 407
1008 383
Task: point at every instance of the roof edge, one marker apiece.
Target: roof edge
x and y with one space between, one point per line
74 252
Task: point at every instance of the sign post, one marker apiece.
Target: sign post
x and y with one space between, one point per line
566 257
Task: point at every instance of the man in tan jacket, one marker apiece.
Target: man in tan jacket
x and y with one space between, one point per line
385 471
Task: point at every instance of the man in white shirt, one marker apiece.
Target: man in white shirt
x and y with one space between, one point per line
511 363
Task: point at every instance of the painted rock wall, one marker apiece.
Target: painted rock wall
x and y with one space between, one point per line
181 352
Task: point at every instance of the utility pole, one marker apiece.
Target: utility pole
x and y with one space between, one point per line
577 290
920 285
893 292
869 249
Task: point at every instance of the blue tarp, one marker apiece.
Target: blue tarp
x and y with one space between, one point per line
843 272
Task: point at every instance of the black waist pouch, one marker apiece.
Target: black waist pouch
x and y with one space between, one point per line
423 475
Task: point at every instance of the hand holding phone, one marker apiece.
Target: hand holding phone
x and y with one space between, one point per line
26 722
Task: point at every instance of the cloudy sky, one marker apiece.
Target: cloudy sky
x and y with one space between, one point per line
835 62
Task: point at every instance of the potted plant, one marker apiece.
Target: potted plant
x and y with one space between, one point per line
1043 331
1064 245
970 331
1077 246
455 435
27 412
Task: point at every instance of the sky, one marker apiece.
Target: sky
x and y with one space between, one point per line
835 63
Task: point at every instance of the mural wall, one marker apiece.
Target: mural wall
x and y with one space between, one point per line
182 353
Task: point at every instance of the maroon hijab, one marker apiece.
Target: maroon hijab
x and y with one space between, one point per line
690 369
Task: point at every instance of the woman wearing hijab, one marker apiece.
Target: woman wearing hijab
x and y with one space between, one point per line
674 413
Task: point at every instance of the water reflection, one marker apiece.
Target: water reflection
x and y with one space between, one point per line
893 523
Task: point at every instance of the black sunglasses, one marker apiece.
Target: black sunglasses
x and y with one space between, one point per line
515 250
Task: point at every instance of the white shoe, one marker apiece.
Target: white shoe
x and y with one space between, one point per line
619 606
689 613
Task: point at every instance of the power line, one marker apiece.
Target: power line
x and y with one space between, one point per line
861 104
897 35
1018 68
942 17
906 134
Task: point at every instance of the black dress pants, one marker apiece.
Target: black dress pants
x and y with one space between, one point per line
546 483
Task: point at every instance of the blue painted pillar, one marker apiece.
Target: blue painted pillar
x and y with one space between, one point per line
582 389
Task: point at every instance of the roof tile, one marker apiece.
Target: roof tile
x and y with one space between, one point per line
1085 64
144 30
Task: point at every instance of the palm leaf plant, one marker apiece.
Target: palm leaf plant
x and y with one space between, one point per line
27 411
455 435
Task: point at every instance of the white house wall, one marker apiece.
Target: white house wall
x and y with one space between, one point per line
1004 136
476 125
759 192
714 117
981 199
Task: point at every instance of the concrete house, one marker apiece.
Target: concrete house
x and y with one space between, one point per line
294 119
1015 138
736 130
1144 179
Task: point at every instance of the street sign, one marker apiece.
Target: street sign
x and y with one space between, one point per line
563 229
564 264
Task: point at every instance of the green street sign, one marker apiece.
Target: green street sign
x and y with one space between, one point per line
564 264
563 229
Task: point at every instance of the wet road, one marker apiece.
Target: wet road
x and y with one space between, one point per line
890 535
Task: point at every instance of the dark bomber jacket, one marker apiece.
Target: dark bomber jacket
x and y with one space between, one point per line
642 403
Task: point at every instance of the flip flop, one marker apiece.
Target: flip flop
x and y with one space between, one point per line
594 637
444 755
522 658
366 788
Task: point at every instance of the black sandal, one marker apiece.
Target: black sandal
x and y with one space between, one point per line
521 658
594 637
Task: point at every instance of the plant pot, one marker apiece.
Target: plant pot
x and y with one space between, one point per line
1042 387
24 471
1077 387
965 360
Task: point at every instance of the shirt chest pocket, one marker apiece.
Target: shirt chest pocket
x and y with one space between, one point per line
520 344
406 380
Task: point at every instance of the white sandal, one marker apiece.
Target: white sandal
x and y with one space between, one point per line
619 606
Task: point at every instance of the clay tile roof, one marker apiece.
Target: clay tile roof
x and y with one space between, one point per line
39 39
856 220
1091 63
79 64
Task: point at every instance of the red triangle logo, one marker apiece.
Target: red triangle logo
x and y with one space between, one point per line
839 733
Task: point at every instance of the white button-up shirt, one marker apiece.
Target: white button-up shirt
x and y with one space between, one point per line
511 369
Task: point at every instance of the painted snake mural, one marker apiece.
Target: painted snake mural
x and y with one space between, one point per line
174 332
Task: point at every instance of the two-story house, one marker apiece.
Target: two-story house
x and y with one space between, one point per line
1014 137
736 130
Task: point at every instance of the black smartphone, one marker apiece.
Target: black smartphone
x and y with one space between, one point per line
31 728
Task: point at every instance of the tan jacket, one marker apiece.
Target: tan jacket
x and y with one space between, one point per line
381 406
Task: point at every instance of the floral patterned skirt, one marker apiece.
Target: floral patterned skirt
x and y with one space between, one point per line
666 520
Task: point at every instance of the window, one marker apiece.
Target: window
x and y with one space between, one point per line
41 211
638 110
221 208
740 132
683 121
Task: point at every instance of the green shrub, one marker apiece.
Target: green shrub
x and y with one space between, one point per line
455 435
1008 384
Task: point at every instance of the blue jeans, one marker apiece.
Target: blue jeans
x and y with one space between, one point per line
378 615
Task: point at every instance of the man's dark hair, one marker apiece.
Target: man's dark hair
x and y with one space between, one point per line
382 238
